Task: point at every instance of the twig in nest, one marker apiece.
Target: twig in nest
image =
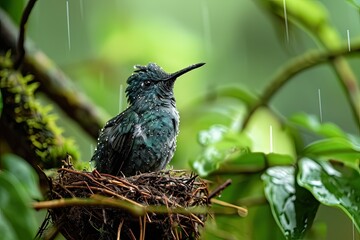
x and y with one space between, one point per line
243 212
20 45
219 189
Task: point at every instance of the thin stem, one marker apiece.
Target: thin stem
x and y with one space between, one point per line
219 189
136 210
304 62
349 84
20 45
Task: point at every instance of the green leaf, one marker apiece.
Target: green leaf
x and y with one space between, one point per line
7 232
213 135
335 148
292 206
23 172
15 208
312 123
220 144
263 143
337 186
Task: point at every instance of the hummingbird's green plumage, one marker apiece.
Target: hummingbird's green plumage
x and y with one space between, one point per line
143 137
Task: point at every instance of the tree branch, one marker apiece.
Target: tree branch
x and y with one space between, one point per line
53 82
314 18
349 84
301 63
20 46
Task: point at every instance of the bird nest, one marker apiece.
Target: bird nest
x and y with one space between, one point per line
162 205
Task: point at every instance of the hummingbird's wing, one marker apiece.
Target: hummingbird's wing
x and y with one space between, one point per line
115 143
121 141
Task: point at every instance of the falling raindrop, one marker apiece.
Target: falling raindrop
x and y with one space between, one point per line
206 24
68 23
286 23
320 106
91 149
121 94
348 39
271 139
353 230
81 9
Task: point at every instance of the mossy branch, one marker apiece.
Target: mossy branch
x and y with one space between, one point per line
28 127
53 82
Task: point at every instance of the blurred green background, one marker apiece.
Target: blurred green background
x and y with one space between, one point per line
239 41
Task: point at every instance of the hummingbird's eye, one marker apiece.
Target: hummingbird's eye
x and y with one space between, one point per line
146 83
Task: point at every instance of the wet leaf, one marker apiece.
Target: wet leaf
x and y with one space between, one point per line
332 185
23 172
19 219
213 135
293 207
226 149
220 144
335 148
312 123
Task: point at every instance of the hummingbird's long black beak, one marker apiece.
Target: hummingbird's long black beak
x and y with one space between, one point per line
183 71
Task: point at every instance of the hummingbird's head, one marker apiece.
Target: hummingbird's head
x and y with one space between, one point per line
152 82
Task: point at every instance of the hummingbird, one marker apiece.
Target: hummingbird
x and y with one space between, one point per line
142 138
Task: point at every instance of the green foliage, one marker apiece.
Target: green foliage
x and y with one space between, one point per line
324 170
12 7
294 198
312 124
332 184
293 207
335 148
226 148
220 144
18 185
23 172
